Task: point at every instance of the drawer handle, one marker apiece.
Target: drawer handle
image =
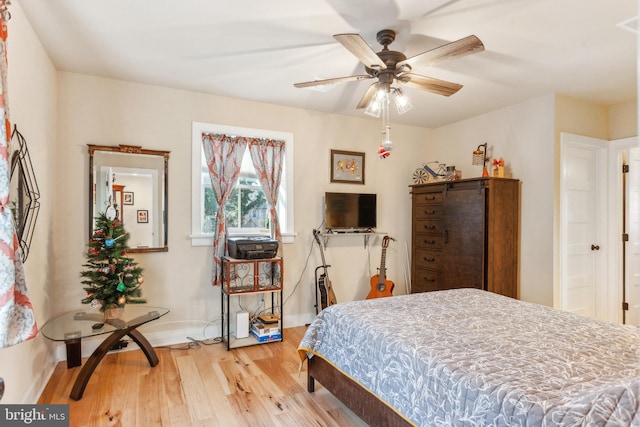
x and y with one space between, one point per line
429 259
429 227
431 197
429 279
432 212
429 242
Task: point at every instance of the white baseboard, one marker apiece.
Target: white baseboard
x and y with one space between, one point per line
172 337
156 339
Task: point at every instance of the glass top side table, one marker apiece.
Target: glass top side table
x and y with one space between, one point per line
71 327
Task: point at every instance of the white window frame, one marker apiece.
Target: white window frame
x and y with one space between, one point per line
285 198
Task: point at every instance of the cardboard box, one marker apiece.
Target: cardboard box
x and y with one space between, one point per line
260 330
276 337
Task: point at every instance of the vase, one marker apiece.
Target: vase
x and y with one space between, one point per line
114 313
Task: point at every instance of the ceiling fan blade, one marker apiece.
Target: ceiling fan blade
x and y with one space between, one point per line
441 87
456 49
355 44
332 81
368 96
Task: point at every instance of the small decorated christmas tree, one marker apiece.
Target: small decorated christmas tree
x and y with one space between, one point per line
111 279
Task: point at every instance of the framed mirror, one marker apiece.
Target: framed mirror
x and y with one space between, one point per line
23 192
134 180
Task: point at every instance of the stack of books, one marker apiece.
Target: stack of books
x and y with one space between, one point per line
266 328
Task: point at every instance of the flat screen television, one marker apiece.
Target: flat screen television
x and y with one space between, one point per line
345 211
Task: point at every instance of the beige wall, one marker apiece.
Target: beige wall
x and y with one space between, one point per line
623 120
522 135
32 99
59 113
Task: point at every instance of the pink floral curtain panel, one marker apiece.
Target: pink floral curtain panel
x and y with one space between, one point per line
223 154
17 320
268 157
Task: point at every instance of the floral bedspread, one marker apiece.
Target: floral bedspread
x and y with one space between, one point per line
467 357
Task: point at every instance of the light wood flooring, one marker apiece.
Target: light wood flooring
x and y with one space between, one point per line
204 386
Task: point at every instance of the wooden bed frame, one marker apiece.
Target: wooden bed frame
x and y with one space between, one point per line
360 400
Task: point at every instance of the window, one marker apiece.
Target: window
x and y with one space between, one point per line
247 211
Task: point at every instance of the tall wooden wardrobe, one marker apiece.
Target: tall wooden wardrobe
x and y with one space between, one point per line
465 234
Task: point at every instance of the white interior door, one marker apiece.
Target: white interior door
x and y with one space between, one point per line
583 226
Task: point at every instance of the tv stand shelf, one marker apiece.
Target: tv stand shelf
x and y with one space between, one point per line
365 234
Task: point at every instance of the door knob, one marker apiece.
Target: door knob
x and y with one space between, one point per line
595 247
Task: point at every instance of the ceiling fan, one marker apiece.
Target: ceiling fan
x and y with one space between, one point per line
389 65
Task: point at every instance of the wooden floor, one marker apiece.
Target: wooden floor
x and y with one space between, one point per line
204 386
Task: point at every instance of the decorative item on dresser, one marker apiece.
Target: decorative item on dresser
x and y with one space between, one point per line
465 234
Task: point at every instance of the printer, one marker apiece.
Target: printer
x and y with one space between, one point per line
252 247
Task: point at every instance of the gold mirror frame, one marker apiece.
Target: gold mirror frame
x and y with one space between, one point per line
145 214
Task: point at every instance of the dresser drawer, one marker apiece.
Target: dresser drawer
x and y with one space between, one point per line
435 226
428 212
428 198
427 280
432 260
429 241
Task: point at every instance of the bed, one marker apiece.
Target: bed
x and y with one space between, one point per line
469 357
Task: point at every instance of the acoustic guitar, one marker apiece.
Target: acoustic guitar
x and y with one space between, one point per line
380 286
327 297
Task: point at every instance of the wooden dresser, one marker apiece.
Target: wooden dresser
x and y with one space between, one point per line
465 234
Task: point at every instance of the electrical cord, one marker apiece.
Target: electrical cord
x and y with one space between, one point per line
306 265
192 344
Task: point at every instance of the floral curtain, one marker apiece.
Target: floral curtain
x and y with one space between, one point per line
223 154
268 157
17 320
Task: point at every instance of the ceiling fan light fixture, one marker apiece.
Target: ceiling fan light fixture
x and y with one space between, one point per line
402 101
380 99
374 108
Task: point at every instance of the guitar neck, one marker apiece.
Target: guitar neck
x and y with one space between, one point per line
383 258
316 235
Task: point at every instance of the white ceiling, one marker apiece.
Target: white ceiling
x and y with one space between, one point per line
257 49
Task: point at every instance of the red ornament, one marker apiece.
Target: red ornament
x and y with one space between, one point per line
382 152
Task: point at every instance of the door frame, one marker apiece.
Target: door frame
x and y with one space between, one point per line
615 221
609 175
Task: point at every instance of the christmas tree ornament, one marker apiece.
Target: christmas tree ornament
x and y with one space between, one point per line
111 213
112 241
140 279
121 287
94 304
382 152
122 300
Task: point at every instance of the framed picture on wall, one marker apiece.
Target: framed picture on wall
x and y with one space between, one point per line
347 166
143 216
127 197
